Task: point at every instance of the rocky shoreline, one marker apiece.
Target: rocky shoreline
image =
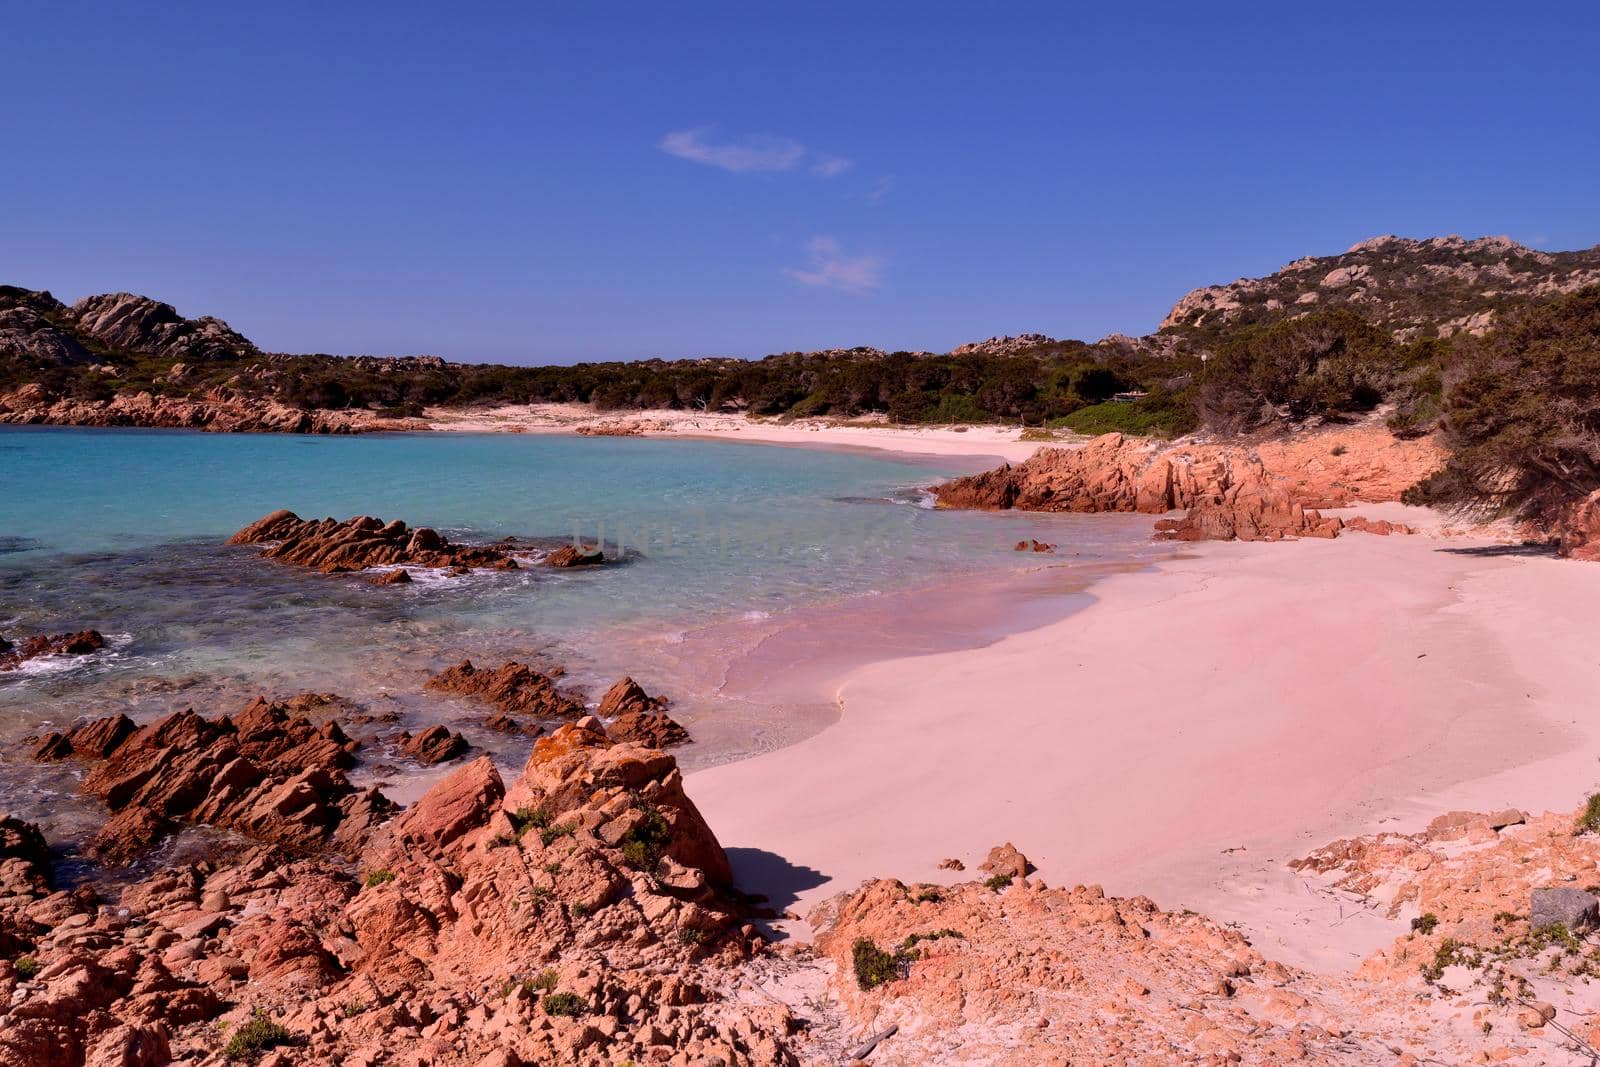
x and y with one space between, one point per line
249 902
218 411
1260 491
586 913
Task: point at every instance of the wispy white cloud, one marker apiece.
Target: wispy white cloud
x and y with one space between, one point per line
830 166
880 189
828 267
740 157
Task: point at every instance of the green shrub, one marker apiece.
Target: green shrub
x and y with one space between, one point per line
256 1036
1153 416
958 408
551 834
1589 821
568 1005
1425 924
644 844
543 982
874 966
526 818
379 877
1522 414
937 935
26 967
999 881
1328 362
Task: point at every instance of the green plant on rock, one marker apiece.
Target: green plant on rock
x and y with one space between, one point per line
1589 821
529 818
26 967
255 1037
936 935
567 1005
873 966
379 877
1424 924
643 846
999 881
543 982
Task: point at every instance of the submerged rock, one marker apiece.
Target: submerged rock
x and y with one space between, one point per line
514 689
575 556
82 643
330 546
436 744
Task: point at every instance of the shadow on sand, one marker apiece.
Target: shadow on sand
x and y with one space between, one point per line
756 870
1527 548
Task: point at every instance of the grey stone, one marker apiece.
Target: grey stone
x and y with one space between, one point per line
1572 908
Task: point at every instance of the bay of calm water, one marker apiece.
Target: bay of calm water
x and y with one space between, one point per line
122 531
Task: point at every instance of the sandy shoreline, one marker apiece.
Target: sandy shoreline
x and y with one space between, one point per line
989 443
1198 725
1187 732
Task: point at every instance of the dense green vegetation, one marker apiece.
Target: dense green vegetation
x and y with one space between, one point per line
1521 414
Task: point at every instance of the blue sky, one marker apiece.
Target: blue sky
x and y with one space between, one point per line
564 181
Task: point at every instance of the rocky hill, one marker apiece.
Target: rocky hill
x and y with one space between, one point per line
1440 286
36 327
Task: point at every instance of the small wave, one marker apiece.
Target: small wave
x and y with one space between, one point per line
113 652
10 545
754 616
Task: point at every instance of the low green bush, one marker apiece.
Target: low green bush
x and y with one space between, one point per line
256 1036
567 1005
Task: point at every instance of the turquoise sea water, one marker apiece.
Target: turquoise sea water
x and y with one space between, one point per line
122 531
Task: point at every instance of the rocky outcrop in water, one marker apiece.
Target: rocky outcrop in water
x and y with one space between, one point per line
634 715
516 691
436 744
330 546
575 556
82 643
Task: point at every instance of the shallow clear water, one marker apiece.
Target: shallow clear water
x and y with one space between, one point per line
122 531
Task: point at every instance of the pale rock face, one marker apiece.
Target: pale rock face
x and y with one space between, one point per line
1410 287
140 324
24 333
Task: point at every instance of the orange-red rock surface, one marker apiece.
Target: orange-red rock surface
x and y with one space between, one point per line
1250 490
356 544
82 643
586 914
